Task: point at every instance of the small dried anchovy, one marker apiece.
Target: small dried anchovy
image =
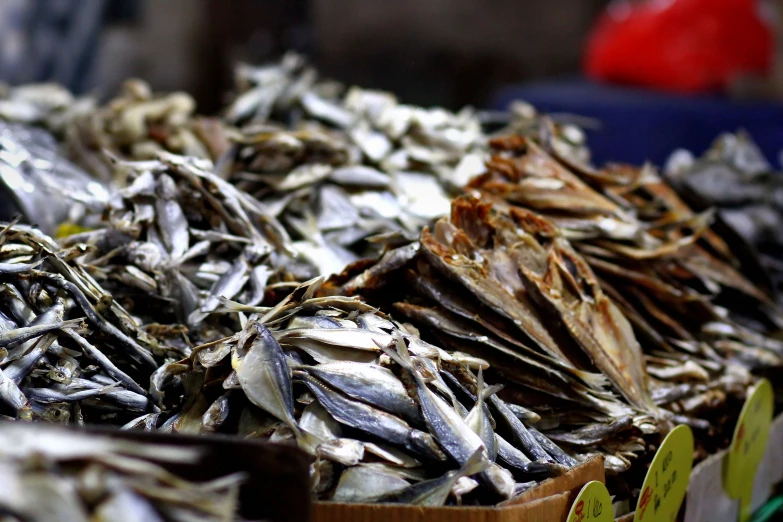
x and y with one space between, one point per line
177 239
70 351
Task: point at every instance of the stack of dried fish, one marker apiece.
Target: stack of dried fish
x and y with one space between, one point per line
69 350
608 307
38 182
677 281
389 417
509 288
702 323
178 238
734 176
136 124
566 279
347 166
54 475
335 167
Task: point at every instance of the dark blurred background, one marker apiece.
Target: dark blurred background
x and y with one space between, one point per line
445 52
450 53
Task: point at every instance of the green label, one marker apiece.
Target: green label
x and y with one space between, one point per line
667 479
593 504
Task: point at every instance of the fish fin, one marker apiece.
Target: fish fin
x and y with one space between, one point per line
11 224
489 391
455 403
244 336
111 387
480 389
475 464
399 356
402 349
234 306
306 440
484 392
294 364
312 286
595 381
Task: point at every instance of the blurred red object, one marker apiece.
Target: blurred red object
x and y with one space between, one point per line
687 46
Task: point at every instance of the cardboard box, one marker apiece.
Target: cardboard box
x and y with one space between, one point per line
547 502
570 482
550 509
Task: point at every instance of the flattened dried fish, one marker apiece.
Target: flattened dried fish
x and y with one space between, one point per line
264 375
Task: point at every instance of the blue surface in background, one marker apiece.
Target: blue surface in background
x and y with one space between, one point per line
641 125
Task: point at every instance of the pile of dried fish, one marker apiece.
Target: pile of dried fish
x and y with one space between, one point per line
702 325
607 306
508 288
38 182
734 176
177 239
69 350
136 124
566 279
349 165
389 417
54 475
680 284
359 165
336 168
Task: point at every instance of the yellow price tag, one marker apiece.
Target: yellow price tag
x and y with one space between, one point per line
748 446
593 504
69 229
667 479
